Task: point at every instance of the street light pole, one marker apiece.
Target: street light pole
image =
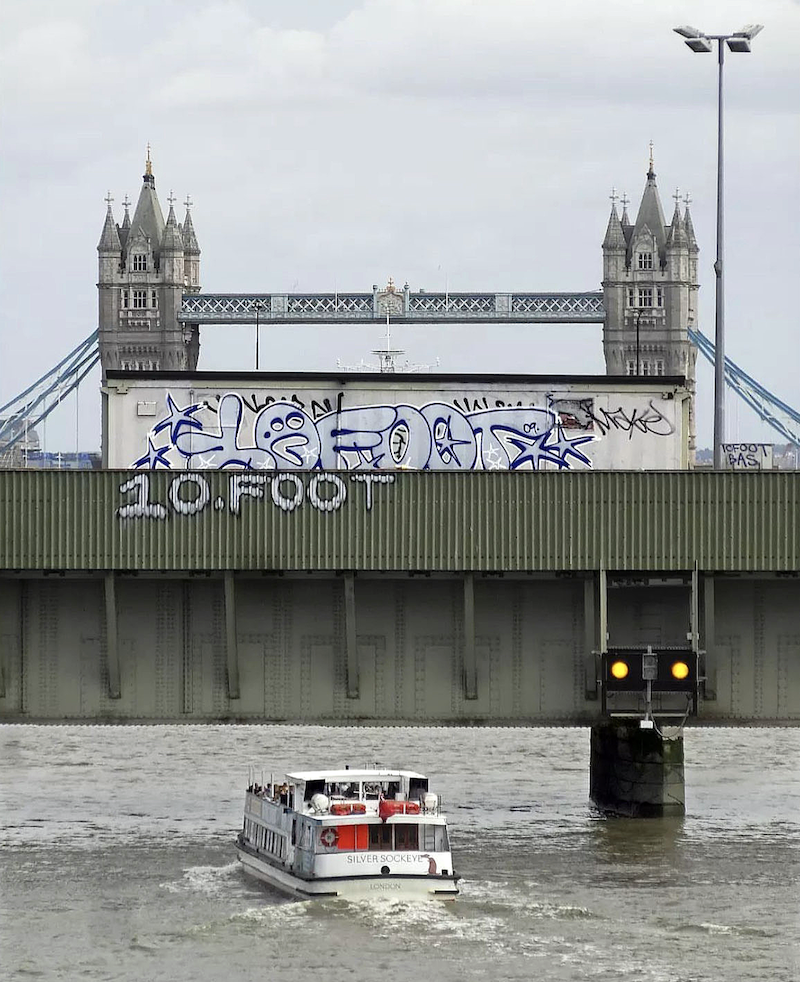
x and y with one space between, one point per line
719 272
257 307
700 43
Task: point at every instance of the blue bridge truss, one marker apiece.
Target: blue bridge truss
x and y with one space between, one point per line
782 418
24 412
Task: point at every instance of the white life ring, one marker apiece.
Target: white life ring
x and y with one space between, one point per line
329 837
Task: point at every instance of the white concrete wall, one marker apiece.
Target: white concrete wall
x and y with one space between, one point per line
406 422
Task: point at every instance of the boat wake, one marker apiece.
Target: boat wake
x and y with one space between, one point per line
505 896
213 881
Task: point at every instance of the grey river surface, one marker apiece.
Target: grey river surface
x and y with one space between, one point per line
116 861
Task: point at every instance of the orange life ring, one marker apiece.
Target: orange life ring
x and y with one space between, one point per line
329 837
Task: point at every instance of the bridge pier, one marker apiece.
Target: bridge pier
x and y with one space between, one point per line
636 771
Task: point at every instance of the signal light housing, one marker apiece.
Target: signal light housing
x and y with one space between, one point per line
670 673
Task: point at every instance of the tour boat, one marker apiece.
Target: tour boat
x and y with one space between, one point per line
354 834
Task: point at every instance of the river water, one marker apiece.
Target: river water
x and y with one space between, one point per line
116 861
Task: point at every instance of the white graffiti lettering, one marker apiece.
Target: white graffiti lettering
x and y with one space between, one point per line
284 436
245 484
288 491
283 501
189 507
142 507
368 480
336 500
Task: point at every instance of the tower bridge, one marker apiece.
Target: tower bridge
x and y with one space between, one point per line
151 307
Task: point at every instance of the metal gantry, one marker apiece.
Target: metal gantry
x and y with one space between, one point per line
401 305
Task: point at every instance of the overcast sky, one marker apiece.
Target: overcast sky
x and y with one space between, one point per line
334 143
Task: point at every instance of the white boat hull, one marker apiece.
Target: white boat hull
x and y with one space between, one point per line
369 887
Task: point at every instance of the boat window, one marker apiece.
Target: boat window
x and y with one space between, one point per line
417 786
433 838
314 787
406 836
380 836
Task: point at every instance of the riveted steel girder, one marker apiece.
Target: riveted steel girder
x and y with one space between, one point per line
401 306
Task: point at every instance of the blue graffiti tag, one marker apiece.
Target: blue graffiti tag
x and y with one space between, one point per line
282 436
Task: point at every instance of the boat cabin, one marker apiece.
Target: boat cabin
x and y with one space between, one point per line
357 786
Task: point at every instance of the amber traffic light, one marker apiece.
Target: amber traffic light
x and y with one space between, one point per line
619 669
679 670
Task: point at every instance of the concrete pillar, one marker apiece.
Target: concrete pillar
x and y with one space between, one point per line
591 647
708 665
636 772
231 639
351 635
112 637
470 655
2 653
187 660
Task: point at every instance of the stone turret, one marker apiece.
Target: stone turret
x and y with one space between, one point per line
191 252
614 261
650 292
142 277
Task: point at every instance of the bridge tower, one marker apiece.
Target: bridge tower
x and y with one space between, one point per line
650 291
145 266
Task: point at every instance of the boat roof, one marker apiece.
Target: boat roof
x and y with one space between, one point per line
351 775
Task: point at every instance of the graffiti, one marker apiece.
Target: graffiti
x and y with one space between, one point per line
142 507
190 494
575 414
281 435
748 456
649 421
316 408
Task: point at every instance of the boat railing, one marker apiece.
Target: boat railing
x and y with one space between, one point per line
283 794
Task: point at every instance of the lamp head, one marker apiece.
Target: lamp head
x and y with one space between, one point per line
749 31
737 43
688 32
699 45
740 40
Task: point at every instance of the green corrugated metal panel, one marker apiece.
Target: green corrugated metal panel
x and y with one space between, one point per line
420 521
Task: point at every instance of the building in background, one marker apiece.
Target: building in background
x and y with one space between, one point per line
650 291
145 267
